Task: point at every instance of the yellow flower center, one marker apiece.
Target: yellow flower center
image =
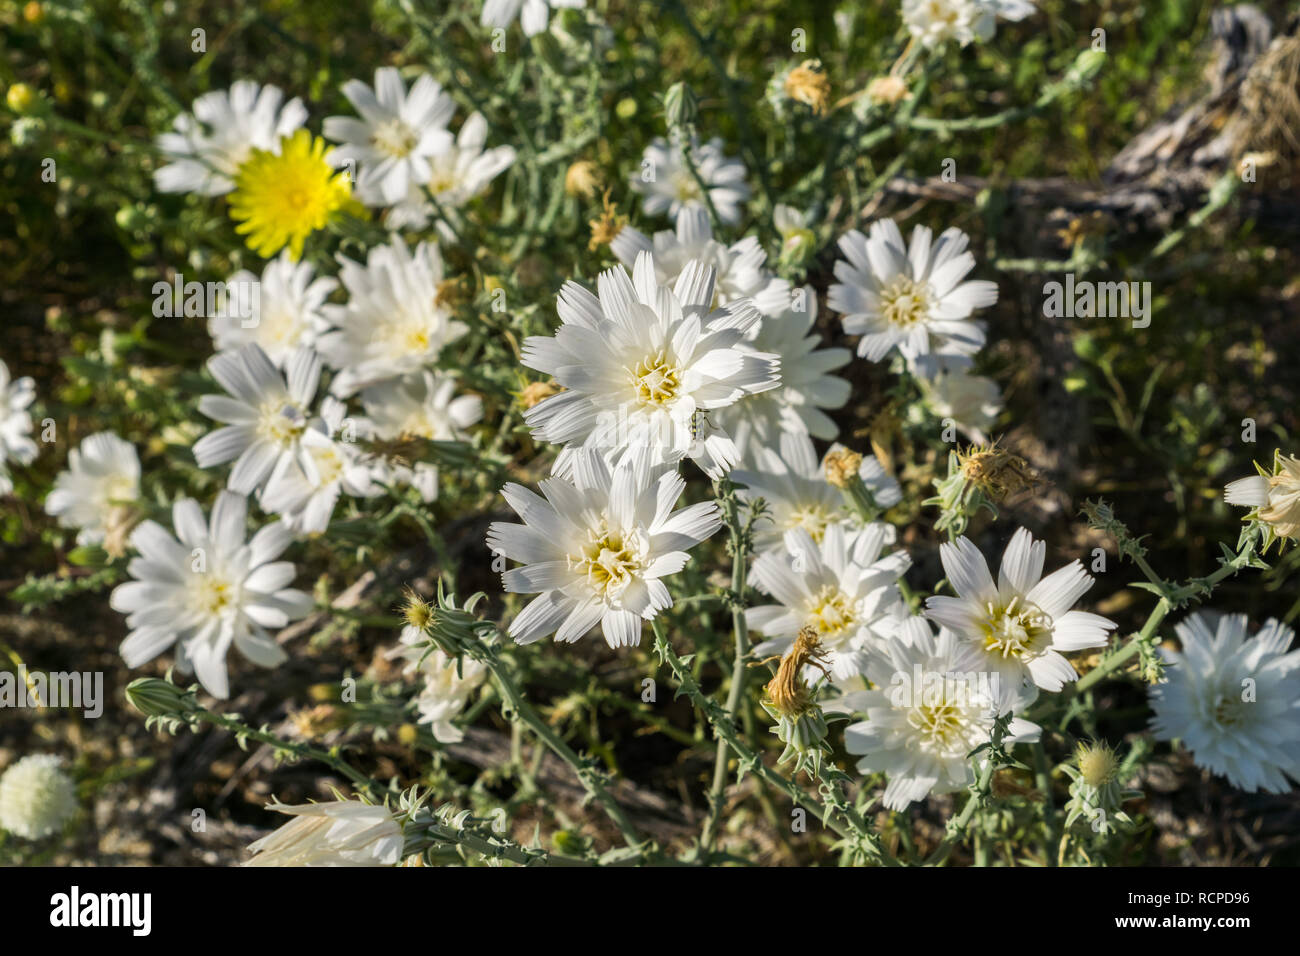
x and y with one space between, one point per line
812 518
656 380
329 463
938 723
394 138
904 302
832 613
1019 630
281 198
685 188
212 593
609 560
281 423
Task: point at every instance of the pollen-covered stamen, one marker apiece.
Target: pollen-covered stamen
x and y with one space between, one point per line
833 613
1019 630
213 593
904 302
394 138
812 518
656 379
938 723
685 187
610 560
1229 710
281 422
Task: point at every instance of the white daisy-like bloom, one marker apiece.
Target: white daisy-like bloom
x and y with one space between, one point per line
666 182
909 298
206 149
103 475
37 797
806 388
1275 496
448 683
950 390
305 487
793 485
285 314
532 14
934 22
643 364
457 175
597 547
335 833
424 405
1233 700
264 412
15 424
397 135
205 589
396 320
1024 622
842 585
740 269
930 707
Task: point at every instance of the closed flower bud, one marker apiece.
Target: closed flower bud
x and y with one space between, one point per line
842 467
155 697
680 106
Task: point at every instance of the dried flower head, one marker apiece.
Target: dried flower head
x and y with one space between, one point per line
842 467
887 90
583 179
535 392
995 471
787 692
608 225
808 84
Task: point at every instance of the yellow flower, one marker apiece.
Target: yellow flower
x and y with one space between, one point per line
281 199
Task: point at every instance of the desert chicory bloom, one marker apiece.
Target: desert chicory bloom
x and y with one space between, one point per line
841 585
950 390
597 547
396 320
1233 700
264 412
909 297
103 476
792 485
420 406
1024 622
283 316
206 149
934 22
336 833
931 705
397 135
668 186
643 365
1273 496
15 424
456 175
37 797
448 683
532 14
205 589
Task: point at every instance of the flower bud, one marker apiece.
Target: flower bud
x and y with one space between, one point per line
155 697
680 106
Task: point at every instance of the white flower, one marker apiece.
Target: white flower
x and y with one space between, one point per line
532 14
739 269
206 589
668 186
396 320
793 485
1024 622
934 22
285 314
265 413
951 391
456 176
397 135
806 385
1233 700
337 833
448 683
597 547
1274 497
930 707
641 360
798 241
37 798
840 585
208 147
423 405
304 487
103 475
15 424
909 297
